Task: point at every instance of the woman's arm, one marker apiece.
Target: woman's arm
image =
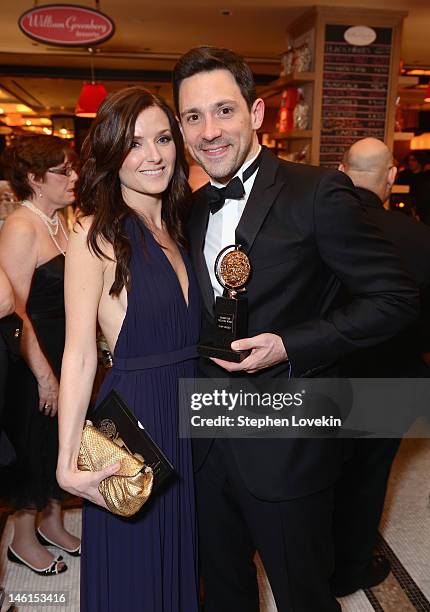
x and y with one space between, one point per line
7 298
82 290
18 257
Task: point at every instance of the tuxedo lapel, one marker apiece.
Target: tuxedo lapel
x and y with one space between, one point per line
266 187
197 226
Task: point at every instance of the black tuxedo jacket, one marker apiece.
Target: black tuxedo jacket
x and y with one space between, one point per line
401 355
410 238
306 236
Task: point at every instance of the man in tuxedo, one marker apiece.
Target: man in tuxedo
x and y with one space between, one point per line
305 233
360 491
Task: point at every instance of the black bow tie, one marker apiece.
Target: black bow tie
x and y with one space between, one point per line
234 190
216 196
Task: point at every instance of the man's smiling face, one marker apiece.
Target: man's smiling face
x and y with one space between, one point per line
217 124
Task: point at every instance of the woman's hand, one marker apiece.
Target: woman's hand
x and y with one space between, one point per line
48 394
86 484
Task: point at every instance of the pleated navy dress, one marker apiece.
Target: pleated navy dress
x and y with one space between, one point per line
148 563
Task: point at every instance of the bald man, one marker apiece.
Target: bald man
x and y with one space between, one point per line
369 164
360 491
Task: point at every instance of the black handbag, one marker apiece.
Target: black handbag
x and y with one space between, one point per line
11 331
115 420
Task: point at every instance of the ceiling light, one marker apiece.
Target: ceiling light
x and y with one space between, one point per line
419 72
419 143
28 122
23 108
91 96
47 130
14 119
1 111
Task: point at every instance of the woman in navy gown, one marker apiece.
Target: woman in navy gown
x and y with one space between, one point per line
127 267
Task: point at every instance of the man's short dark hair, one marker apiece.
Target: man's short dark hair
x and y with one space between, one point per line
206 59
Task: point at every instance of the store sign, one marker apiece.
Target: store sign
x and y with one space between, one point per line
66 25
360 36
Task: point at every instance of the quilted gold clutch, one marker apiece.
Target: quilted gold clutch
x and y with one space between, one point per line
128 489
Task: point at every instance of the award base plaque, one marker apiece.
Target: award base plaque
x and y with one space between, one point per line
230 325
231 313
209 350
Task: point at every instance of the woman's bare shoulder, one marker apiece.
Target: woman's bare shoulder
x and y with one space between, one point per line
19 229
82 227
20 219
82 224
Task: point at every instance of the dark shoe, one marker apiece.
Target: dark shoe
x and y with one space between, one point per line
76 552
51 570
375 573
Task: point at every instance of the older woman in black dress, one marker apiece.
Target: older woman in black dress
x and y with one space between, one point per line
7 306
33 243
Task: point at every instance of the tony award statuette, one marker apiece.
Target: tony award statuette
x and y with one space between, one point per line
232 270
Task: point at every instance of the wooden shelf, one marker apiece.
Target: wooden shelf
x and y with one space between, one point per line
291 135
296 78
403 135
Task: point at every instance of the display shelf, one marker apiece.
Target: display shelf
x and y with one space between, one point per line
403 135
290 80
337 113
291 135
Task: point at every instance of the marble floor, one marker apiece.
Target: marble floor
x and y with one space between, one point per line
405 540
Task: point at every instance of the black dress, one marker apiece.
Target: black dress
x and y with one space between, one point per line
31 481
4 367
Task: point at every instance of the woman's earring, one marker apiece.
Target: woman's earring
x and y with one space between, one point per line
40 194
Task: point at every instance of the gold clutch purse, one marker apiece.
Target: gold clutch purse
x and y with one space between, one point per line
126 491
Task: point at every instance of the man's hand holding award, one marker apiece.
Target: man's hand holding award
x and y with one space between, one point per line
229 346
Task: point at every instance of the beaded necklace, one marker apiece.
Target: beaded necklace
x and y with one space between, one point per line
52 224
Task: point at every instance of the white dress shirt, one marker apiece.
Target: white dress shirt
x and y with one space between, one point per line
222 225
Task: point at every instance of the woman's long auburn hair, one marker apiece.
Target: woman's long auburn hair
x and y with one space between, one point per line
99 190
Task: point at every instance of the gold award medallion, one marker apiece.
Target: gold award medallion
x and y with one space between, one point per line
233 268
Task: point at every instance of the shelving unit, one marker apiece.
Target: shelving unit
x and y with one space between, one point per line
295 141
311 28
294 79
403 135
291 135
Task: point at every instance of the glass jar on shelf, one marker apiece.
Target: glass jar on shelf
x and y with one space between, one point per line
302 58
301 112
287 62
288 103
